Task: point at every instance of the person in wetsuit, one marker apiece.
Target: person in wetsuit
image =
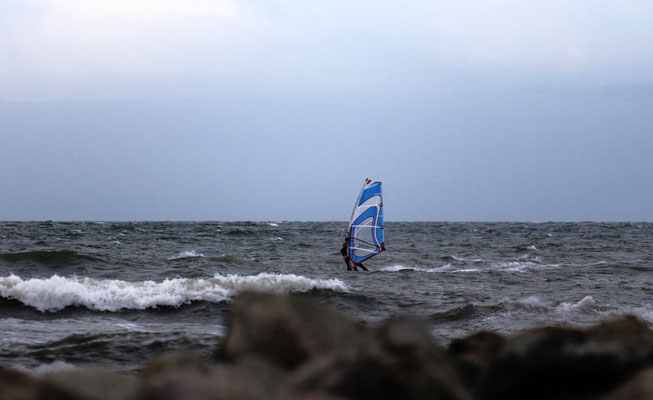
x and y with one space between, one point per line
350 264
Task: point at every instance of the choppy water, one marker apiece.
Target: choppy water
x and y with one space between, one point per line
114 294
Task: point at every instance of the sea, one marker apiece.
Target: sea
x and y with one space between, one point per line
116 294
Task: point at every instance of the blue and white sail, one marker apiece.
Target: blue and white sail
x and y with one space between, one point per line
365 231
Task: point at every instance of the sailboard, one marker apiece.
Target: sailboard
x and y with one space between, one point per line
365 231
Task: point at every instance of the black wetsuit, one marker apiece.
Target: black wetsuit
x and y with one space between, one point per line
350 264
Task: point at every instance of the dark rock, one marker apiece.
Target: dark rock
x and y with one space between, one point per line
16 385
247 378
329 355
566 363
286 330
639 387
401 362
173 362
94 383
474 354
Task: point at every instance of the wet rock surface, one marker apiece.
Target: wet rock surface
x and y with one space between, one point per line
285 347
557 362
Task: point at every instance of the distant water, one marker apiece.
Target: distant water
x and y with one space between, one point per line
115 294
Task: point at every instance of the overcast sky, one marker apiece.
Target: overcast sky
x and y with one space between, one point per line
277 110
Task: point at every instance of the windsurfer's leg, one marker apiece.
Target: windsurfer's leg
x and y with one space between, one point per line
363 267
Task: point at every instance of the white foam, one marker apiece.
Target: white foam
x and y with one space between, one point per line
187 254
396 268
473 260
532 302
586 303
507 266
521 266
513 266
444 268
272 224
56 293
466 270
280 283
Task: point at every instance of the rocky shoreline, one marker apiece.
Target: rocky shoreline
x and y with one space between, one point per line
286 347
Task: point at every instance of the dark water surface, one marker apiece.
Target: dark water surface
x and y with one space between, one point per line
114 294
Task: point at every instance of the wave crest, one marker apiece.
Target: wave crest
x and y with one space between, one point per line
586 304
56 293
186 254
444 268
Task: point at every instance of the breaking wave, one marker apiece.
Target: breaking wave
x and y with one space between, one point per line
186 254
531 303
56 293
397 268
444 268
400 268
587 303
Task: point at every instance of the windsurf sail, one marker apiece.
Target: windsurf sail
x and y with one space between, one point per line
365 231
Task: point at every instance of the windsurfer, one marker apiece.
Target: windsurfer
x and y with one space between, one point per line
350 264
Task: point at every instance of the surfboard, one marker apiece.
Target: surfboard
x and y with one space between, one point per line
365 230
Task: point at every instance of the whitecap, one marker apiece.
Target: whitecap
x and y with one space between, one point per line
585 304
279 283
396 268
531 302
522 266
444 268
56 293
513 266
186 254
